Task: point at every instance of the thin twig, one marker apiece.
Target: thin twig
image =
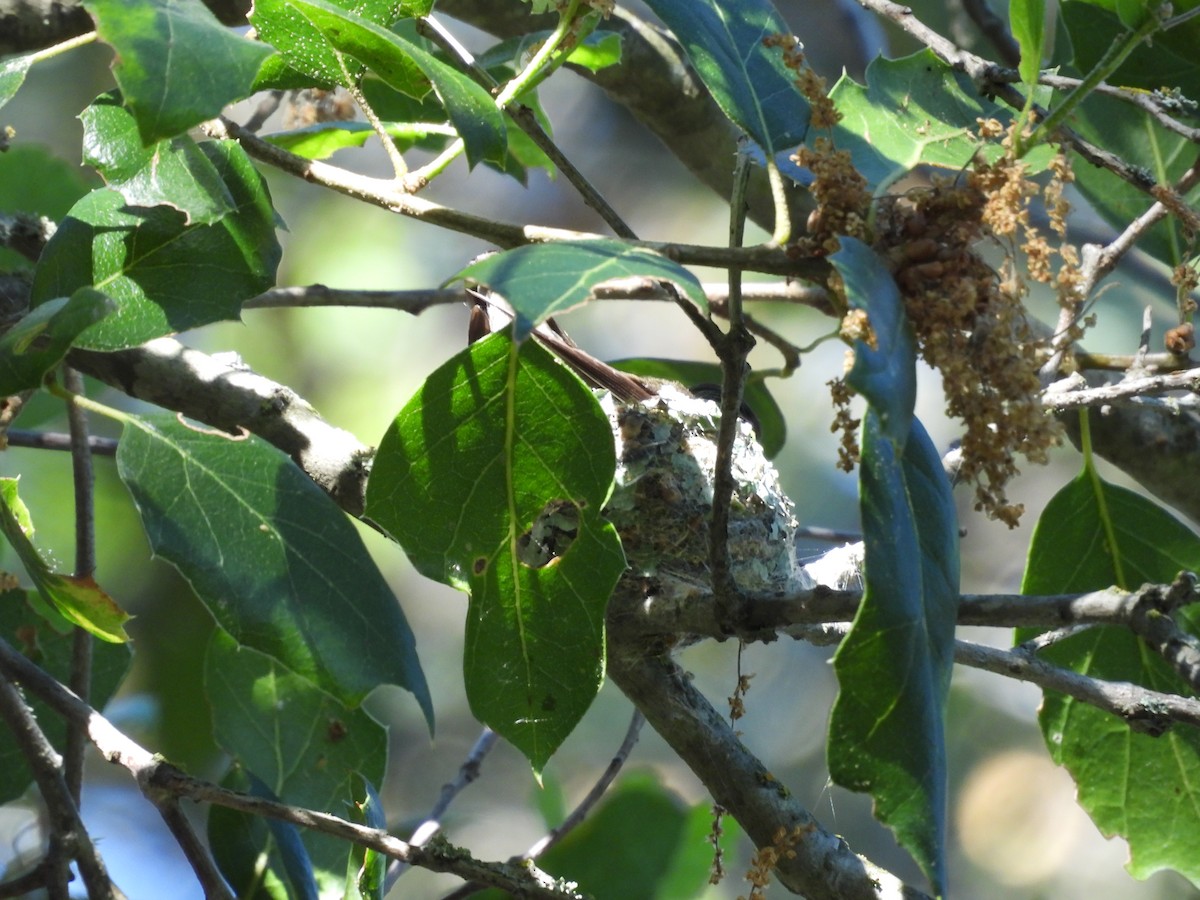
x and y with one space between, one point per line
55 440
196 850
1059 400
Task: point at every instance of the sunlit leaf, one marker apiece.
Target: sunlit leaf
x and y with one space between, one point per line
492 479
1028 20
276 562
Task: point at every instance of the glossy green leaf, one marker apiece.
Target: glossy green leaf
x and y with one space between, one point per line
39 341
306 58
598 50
1168 61
885 367
366 869
492 478
1093 535
543 280
912 111
304 747
77 598
173 172
12 75
165 276
726 42
276 562
51 650
326 138
390 56
772 429
1028 21
1135 137
177 66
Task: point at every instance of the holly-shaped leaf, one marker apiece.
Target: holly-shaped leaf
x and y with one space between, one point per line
173 172
492 478
177 66
543 280
39 341
78 599
164 275
737 49
272 557
1094 535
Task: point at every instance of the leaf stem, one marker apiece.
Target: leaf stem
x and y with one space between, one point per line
783 216
88 404
1121 47
399 166
58 49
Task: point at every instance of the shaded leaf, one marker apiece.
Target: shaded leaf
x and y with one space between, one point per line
728 41
300 744
492 478
40 340
772 429
366 868
543 280
177 66
1028 20
272 557
137 257
77 598
12 75
1146 789
885 364
52 651
173 172
886 732
390 56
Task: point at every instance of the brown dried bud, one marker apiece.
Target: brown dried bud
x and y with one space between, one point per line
1181 339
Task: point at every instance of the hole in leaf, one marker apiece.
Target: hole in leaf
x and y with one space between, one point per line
480 565
551 534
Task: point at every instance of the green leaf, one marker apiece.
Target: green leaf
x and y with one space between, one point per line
33 180
726 42
173 172
366 869
306 58
1169 61
912 111
543 280
886 732
598 50
77 598
1146 789
390 56
12 75
772 429
39 341
177 66
326 138
272 557
165 276
885 368
492 478
1135 137
1028 20
304 746
51 650
669 860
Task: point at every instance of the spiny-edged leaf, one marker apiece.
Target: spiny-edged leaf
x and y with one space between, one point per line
1134 136
671 857
165 276
177 66
885 361
731 44
772 429
1170 60
77 598
52 651
305 57
12 75
492 479
1145 789
173 172
390 56
40 340
272 557
912 111
304 747
886 732
365 868
1028 21
543 280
